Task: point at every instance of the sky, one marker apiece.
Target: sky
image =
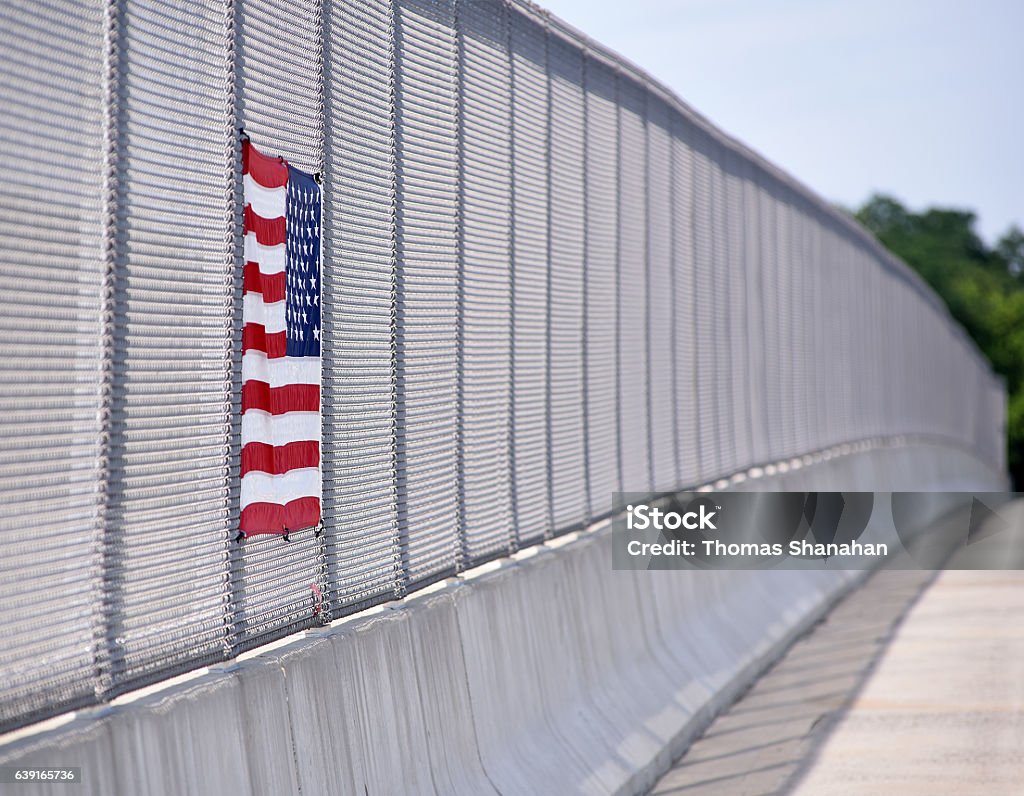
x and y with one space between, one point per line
920 99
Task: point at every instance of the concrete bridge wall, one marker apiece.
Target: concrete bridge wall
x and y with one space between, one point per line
544 673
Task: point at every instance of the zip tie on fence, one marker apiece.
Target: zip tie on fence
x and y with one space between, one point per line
318 599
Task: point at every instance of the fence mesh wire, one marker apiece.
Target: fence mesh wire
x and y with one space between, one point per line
546 280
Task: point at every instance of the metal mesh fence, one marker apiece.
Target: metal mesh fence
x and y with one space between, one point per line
546 280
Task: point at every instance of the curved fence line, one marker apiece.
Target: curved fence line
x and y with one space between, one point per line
546 281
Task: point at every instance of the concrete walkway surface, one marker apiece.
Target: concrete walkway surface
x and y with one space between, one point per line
759 744
944 711
913 685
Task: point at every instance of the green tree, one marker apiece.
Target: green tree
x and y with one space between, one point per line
983 287
1011 249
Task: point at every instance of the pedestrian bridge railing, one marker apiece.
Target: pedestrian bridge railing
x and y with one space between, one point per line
546 280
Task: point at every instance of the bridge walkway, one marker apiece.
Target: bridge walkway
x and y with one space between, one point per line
914 684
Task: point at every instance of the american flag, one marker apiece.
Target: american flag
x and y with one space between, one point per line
280 471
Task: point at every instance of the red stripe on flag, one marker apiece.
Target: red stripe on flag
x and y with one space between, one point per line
274 518
268 172
269 231
278 400
276 460
270 285
255 338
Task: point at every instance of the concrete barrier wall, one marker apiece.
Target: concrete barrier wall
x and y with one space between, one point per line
545 673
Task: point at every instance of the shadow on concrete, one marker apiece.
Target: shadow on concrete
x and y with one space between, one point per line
772 733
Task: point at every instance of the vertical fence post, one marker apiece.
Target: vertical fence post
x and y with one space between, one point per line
648 357
584 312
105 629
458 67
698 420
514 534
401 570
233 559
112 112
673 264
550 526
403 564
326 188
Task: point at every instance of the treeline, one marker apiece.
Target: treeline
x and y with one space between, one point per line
983 287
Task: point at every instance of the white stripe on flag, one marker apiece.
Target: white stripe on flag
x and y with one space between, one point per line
270 258
270 316
259 487
280 371
268 203
259 426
